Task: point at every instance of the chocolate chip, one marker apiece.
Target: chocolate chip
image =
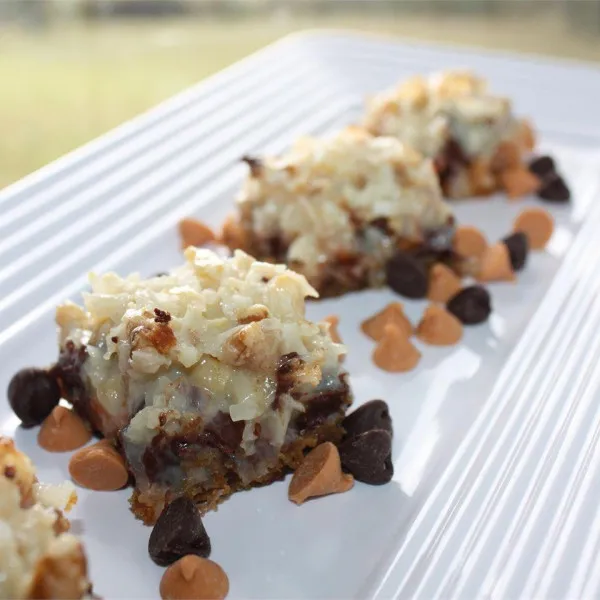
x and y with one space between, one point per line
177 532
32 394
518 248
554 190
471 305
160 274
368 456
371 415
406 275
543 166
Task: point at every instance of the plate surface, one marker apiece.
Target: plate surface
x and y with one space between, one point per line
496 454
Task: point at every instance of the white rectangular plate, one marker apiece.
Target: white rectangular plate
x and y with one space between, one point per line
496 448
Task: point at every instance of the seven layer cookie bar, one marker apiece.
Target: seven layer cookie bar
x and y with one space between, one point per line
38 557
211 377
336 208
472 135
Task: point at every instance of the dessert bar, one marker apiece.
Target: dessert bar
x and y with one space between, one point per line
479 146
335 209
38 557
210 377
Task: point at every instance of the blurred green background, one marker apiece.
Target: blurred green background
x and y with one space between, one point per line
72 69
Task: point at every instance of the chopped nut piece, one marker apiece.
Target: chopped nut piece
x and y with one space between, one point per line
392 313
319 474
395 352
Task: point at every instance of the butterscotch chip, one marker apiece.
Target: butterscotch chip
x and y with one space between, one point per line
443 283
194 578
319 474
63 431
469 242
194 233
527 135
507 156
438 327
481 178
496 264
392 313
334 321
395 352
232 234
99 467
519 182
537 224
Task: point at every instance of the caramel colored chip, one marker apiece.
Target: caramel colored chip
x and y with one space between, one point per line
496 265
392 313
443 283
508 156
232 234
537 224
469 242
194 233
99 467
438 327
194 578
481 178
519 182
527 135
319 474
395 352
334 321
63 431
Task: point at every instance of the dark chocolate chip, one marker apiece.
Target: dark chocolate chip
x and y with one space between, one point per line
518 249
368 456
32 394
554 190
372 415
406 275
543 166
178 531
471 305
160 274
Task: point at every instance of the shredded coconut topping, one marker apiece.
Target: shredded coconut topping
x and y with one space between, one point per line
320 196
203 339
426 112
36 555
